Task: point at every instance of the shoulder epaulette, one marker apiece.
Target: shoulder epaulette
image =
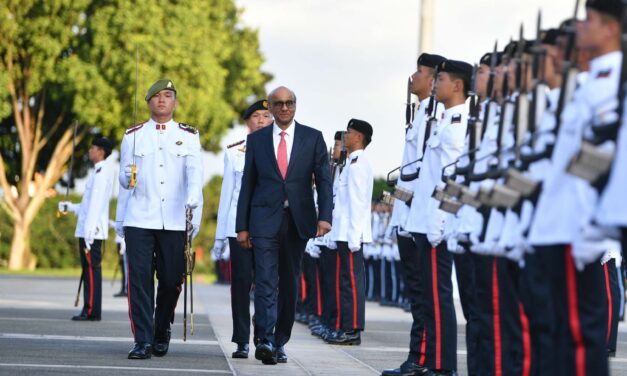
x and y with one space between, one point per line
456 118
236 144
134 128
188 128
354 160
98 170
604 74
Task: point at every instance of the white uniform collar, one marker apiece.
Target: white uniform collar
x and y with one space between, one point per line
152 124
289 130
100 164
459 109
605 62
355 154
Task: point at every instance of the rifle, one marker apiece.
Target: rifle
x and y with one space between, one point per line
189 270
134 165
409 106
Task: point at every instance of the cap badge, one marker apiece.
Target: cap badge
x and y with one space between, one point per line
179 142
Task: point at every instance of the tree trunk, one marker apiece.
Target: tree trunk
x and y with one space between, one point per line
21 257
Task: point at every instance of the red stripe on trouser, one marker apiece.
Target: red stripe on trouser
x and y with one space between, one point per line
423 347
337 290
128 297
353 287
526 337
496 321
91 285
303 287
609 303
573 314
318 295
436 306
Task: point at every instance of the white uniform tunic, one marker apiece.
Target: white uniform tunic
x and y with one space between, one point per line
445 145
93 211
567 203
169 174
234 158
414 139
612 210
355 186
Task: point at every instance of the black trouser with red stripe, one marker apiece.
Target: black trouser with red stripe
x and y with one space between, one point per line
149 250
580 313
242 271
439 311
465 273
613 303
330 272
413 270
352 288
92 277
310 286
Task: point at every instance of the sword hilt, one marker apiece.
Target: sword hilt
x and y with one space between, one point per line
133 175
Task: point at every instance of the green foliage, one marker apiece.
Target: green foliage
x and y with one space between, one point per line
380 185
77 60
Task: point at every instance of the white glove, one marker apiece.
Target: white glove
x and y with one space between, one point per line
192 203
226 255
67 206
122 248
218 247
590 246
89 238
312 249
128 172
452 244
119 228
332 245
354 247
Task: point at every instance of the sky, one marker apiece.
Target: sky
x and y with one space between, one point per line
351 58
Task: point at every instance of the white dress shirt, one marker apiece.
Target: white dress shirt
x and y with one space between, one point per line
169 173
289 139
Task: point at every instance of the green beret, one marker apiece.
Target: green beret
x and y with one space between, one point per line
163 84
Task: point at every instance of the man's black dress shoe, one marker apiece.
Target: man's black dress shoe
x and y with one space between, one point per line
281 356
352 338
140 351
408 368
441 373
120 294
161 342
241 352
266 353
85 317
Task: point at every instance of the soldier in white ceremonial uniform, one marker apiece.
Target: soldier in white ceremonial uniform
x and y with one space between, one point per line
421 86
167 155
562 231
92 227
256 117
427 222
352 229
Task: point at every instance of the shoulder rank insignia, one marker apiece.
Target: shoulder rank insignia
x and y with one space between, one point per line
457 118
134 128
353 161
188 128
179 142
98 170
235 144
604 74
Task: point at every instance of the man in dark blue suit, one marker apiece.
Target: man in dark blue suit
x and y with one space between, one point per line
276 215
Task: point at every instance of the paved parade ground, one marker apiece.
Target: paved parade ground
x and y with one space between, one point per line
38 338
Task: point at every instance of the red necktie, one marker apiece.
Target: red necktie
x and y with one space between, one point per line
281 155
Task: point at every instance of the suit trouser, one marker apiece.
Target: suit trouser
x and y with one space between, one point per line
376 279
465 273
122 264
352 288
413 270
149 250
439 311
330 272
92 277
580 312
613 307
242 271
310 286
277 268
